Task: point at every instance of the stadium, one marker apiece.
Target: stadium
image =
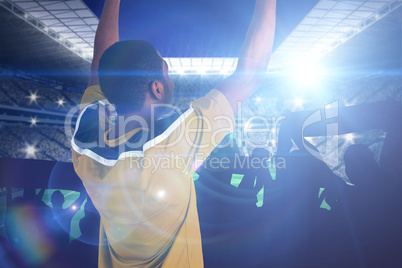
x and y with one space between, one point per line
325 122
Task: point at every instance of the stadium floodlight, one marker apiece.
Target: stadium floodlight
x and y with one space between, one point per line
60 102
33 121
33 98
201 66
308 75
30 151
258 99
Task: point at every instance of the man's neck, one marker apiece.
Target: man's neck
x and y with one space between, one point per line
140 119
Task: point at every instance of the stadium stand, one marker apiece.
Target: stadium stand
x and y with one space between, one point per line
15 91
23 92
49 142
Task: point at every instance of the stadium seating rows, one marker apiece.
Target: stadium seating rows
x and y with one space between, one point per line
52 143
46 142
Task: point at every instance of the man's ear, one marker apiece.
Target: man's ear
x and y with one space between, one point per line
158 90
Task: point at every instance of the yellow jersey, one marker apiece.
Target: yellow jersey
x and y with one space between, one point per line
141 182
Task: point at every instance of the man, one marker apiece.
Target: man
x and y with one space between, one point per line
138 171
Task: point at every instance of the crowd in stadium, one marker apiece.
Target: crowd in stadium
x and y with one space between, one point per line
38 142
22 92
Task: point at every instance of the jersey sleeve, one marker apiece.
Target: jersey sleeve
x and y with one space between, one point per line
199 130
92 94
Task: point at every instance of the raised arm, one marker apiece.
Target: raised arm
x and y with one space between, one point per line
254 57
107 34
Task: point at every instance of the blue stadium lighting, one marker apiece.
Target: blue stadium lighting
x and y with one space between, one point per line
60 102
33 98
33 121
258 99
30 151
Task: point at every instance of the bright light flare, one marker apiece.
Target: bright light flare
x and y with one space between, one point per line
60 102
33 98
33 121
161 194
307 75
30 151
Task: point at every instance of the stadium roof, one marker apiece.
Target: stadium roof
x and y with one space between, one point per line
26 45
330 23
71 22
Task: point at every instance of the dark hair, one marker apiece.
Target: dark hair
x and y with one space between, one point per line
126 71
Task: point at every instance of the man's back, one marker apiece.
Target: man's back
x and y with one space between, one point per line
144 190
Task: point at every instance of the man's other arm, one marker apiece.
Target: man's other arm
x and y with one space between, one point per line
254 57
106 35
